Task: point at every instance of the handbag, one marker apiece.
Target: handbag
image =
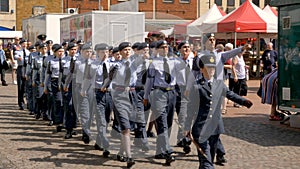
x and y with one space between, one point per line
5 65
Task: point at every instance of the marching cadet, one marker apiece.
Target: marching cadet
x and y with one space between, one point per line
161 78
135 50
37 66
98 73
49 99
70 114
140 130
54 77
82 97
80 42
206 98
20 54
124 97
49 47
42 38
28 75
181 100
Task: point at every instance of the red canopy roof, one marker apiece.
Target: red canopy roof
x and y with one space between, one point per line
244 19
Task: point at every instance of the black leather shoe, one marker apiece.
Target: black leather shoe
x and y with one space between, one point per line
74 133
68 135
21 108
4 84
37 116
130 162
31 113
150 134
59 128
160 156
220 160
50 123
106 153
180 144
121 158
169 159
97 147
86 139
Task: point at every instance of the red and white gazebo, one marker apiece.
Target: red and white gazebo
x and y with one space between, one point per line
270 10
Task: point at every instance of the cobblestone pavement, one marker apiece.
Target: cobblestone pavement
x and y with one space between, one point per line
251 141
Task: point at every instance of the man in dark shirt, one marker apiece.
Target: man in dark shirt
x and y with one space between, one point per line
269 59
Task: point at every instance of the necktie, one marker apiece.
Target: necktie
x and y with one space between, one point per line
60 66
209 84
44 64
167 71
144 72
127 74
86 70
105 73
24 55
72 65
187 71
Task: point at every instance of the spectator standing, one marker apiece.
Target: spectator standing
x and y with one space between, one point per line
269 59
2 59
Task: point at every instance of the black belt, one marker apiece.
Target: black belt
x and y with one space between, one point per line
139 88
54 78
122 88
164 88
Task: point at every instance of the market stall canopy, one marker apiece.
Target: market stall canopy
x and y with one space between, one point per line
196 27
270 10
248 18
181 28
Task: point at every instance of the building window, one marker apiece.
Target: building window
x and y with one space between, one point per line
142 0
168 1
242 1
4 6
218 2
230 2
184 1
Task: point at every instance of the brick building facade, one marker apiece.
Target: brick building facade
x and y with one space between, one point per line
27 8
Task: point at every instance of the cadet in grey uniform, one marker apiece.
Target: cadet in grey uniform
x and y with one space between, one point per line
140 130
124 98
161 77
206 98
98 72
20 54
181 100
29 89
37 66
54 77
70 113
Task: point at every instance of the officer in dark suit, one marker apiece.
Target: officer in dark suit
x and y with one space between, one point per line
205 110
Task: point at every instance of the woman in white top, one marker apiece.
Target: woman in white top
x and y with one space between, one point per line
239 75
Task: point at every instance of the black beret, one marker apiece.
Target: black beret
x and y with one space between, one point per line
101 46
56 47
64 43
153 44
115 50
73 40
207 60
42 45
42 37
183 43
110 48
124 45
136 45
37 43
207 36
23 40
143 46
49 42
86 46
80 41
32 47
71 45
160 43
